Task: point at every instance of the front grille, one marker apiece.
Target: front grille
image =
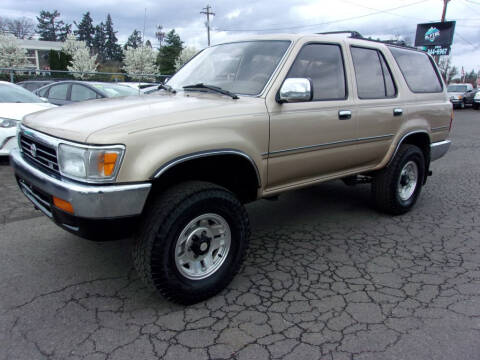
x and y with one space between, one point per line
38 152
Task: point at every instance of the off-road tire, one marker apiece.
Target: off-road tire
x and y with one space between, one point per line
167 215
385 183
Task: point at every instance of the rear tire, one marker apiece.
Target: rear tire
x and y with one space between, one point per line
192 242
395 189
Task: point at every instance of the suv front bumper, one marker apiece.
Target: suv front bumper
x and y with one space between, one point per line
93 205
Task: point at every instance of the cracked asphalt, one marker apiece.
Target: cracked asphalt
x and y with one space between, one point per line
326 277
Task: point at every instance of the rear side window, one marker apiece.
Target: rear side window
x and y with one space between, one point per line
374 80
323 64
81 93
418 70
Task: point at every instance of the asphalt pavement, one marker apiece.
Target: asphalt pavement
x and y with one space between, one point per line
327 277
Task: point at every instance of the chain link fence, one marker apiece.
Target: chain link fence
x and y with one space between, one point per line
15 75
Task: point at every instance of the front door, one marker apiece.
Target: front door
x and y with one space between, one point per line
313 139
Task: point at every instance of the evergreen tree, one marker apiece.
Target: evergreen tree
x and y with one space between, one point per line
58 60
50 28
134 40
169 53
99 40
85 30
113 51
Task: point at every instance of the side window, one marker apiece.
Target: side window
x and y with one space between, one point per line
82 93
418 70
43 92
323 64
58 92
374 79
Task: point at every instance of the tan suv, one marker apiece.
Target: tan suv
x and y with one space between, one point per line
241 121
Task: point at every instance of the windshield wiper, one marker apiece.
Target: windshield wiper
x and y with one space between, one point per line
211 87
167 88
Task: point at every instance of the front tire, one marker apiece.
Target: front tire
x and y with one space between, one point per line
192 242
395 189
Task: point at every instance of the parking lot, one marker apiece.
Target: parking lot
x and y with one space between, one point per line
327 277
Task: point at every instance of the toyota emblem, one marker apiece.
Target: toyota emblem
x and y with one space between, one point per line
33 150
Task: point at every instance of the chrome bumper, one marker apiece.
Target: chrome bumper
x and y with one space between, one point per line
438 149
88 201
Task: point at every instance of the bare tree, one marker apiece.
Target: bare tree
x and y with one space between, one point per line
22 28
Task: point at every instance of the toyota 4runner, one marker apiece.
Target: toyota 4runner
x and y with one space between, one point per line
241 121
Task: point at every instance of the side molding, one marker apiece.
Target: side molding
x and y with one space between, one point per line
204 154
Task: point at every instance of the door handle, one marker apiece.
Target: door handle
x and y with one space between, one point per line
344 115
397 112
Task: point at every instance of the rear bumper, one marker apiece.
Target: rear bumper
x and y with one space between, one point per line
439 149
94 206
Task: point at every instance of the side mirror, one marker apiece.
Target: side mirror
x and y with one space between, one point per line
295 90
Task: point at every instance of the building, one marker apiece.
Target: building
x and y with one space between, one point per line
37 51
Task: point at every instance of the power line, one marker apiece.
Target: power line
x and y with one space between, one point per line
326 22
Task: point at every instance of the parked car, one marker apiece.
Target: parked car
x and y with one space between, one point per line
66 92
472 97
241 121
456 92
15 102
32 85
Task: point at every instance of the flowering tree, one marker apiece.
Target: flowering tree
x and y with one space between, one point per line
81 58
11 55
186 54
140 60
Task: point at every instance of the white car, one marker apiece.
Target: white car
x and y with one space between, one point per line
15 102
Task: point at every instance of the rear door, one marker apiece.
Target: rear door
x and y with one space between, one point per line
378 106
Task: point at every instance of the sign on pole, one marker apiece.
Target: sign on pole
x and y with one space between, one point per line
432 34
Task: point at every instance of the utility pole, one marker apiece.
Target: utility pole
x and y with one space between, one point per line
444 14
206 11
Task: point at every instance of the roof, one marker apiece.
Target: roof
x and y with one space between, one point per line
40 44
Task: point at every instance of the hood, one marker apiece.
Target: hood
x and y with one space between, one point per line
79 121
17 111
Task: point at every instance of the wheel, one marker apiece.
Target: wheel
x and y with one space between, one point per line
476 106
192 242
395 189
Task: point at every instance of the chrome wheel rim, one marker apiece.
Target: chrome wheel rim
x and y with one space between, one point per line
407 182
202 246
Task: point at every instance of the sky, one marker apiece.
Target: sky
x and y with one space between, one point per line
236 18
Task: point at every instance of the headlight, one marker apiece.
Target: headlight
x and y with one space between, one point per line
8 123
96 164
477 95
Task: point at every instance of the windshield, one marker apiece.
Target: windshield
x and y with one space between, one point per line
11 93
112 90
457 88
241 67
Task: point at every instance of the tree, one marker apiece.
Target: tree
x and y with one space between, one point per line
11 55
50 28
58 60
99 40
81 58
85 30
186 54
169 53
21 28
134 40
140 60
113 51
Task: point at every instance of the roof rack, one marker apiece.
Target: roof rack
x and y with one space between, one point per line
353 34
357 35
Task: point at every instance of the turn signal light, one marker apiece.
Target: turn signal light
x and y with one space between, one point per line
106 163
63 205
